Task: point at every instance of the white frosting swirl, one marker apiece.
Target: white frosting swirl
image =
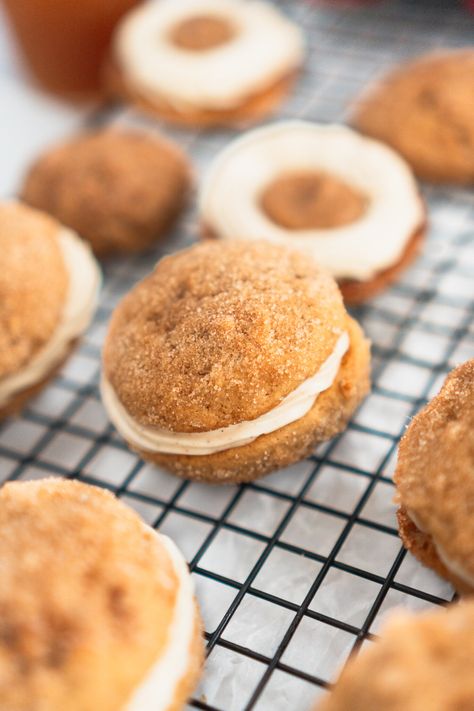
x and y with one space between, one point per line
157 691
230 198
266 47
291 408
84 282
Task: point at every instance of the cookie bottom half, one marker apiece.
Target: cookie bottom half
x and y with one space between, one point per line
255 107
356 292
421 545
287 445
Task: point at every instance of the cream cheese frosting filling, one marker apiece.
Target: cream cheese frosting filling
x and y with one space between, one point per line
157 691
230 202
81 299
291 408
264 48
453 566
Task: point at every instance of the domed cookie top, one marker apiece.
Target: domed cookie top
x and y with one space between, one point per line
425 109
120 189
48 292
205 61
349 202
90 598
434 479
420 662
220 333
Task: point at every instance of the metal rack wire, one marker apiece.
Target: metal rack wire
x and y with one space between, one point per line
295 571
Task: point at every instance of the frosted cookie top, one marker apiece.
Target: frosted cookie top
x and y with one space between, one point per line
210 54
350 202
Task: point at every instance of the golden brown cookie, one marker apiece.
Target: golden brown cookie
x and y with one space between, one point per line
120 189
33 284
97 608
421 663
195 63
48 291
424 109
232 359
434 481
300 184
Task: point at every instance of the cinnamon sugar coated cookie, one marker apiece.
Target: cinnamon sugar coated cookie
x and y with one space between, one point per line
48 291
421 663
120 189
232 359
424 109
435 483
205 62
97 608
348 201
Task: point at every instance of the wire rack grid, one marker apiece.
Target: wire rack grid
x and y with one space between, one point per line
293 572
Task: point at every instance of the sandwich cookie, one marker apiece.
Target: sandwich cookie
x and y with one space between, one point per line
348 201
232 359
424 110
120 189
205 62
435 485
421 663
98 609
49 283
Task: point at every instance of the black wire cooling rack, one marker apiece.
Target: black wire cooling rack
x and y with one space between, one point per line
295 571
